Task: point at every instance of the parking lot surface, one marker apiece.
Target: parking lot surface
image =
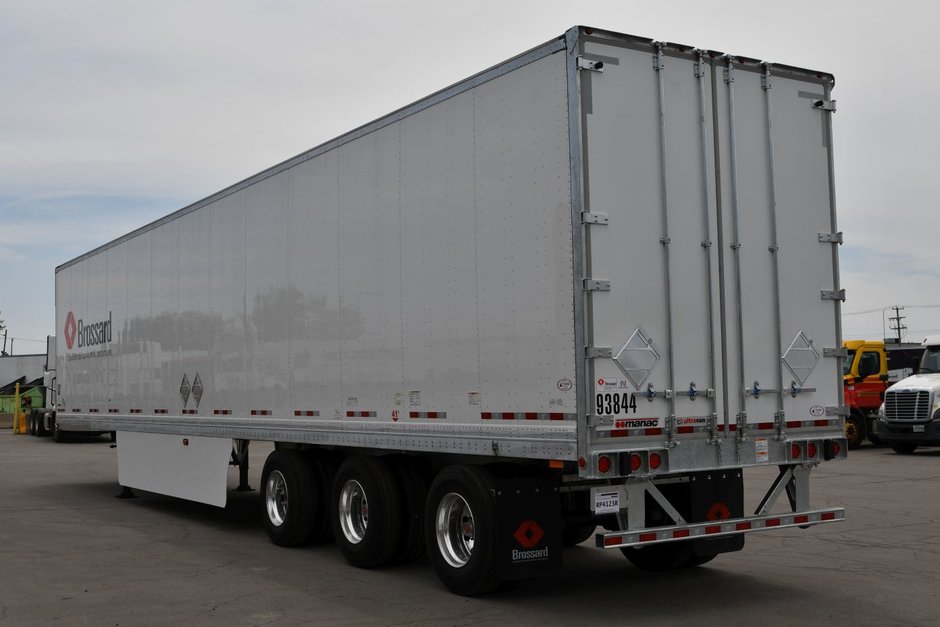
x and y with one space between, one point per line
73 554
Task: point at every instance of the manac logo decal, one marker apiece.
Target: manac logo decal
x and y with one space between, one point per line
79 334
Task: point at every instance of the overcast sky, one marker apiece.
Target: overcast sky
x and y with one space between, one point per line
114 113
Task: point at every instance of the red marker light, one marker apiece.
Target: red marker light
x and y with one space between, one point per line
635 462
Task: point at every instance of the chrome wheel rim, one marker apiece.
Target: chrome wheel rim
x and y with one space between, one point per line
455 530
275 498
353 511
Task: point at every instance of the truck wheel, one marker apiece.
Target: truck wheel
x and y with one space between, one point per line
58 434
288 495
367 517
903 448
663 557
460 530
30 424
576 534
854 431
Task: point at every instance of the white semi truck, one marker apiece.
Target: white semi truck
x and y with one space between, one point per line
910 415
579 293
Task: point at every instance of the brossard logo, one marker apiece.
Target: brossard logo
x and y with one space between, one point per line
90 334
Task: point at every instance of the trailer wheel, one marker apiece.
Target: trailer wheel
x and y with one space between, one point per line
854 430
367 517
460 530
414 491
665 557
903 448
288 495
576 534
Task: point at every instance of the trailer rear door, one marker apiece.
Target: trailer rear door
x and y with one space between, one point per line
713 292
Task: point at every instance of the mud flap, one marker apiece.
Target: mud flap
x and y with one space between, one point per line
716 495
529 527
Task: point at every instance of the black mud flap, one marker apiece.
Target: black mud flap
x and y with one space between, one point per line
707 496
529 527
716 495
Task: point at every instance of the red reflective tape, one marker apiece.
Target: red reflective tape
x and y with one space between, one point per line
828 516
612 541
486 416
413 414
647 537
432 414
800 519
350 414
765 425
656 431
772 522
794 424
254 412
556 416
685 430
619 433
821 423
742 526
680 533
531 416
713 529
508 415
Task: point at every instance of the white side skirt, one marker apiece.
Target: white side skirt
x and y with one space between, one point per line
187 467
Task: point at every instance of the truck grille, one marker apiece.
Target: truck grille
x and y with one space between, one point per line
907 405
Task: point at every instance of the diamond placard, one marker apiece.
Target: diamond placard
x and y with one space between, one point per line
637 358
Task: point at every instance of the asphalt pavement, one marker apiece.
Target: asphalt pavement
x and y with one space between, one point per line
73 554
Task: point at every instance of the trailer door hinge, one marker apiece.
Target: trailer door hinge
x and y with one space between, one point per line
836 352
589 64
594 218
831 238
833 295
595 285
825 105
596 351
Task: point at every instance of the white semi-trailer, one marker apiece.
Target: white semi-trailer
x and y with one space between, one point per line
588 287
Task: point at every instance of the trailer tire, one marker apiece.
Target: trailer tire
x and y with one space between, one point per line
904 448
855 430
461 528
288 497
58 434
576 534
366 511
413 483
324 471
664 557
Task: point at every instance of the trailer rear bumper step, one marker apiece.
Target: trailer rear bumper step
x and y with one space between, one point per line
717 528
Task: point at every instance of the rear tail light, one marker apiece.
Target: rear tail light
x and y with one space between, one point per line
795 451
833 449
636 462
603 464
655 460
811 450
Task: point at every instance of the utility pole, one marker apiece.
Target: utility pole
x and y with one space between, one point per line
897 321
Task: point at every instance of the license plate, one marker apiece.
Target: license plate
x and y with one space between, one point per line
919 428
